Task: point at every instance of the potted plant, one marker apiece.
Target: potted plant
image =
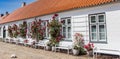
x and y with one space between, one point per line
89 47
55 29
78 44
76 49
48 45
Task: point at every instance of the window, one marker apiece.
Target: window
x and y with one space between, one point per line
97 27
44 25
29 29
66 28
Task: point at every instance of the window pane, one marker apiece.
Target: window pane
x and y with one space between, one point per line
93 19
94 36
101 28
101 18
102 36
69 29
68 21
64 29
69 35
93 28
64 34
45 34
63 22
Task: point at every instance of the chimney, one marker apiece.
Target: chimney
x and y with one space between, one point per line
6 13
23 4
1 15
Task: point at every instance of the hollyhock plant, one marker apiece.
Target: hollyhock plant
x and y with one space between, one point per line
37 30
54 27
78 44
55 15
15 30
78 41
89 46
23 29
10 31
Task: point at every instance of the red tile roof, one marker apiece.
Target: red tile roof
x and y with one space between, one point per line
44 7
3 17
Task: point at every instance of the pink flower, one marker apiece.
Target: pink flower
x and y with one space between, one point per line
62 21
56 15
86 46
24 22
89 44
53 17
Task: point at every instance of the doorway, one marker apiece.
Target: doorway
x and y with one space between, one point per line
4 32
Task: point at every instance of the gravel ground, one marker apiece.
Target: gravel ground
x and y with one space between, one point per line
22 52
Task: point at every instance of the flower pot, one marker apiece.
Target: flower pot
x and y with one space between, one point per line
90 53
75 52
53 48
48 48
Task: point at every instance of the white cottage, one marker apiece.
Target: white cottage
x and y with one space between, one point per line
97 20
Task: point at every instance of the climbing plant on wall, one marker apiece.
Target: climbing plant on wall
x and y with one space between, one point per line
37 30
23 29
10 33
15 30
55 29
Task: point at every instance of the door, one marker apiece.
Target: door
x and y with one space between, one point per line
4 32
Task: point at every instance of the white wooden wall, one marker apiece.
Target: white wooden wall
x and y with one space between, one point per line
80 23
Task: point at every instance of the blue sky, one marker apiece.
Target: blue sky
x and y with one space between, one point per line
11 5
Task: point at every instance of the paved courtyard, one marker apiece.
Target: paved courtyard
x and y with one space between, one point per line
22 52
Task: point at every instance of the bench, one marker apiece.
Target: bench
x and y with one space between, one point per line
65 46
14 40
29 42
96 52
41 44
7 40
20 41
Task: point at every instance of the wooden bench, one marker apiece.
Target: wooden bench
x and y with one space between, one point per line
96 52
64 46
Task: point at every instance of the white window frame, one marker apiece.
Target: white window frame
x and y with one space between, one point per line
66 25
46 29
29 28
97 24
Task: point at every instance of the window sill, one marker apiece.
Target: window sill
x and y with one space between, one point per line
100 42
67 40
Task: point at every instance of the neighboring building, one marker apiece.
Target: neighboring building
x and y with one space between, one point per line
97 20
